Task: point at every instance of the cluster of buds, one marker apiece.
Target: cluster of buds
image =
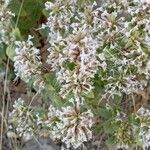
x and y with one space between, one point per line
5 18
27 62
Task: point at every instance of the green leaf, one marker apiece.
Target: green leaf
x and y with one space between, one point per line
29 19
2 50
14 6
105 113
2 59
98 129
129 43
134 120
50 87
58 102
145 48
110 142
33 8
46 13
10 51
51 79
44 32
90 95
108 127
16 33
54 98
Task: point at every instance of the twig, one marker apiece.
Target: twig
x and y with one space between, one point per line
3 105
100 141
133 101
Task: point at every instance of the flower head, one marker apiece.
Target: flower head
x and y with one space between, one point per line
74 126
27 62
22 118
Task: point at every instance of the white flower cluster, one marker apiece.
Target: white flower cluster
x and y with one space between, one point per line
124 39
59 17
120 30
22 118
70 125
5 18
86 64
27 62
144 134
123 132
73 57
6 2
133 133
73 51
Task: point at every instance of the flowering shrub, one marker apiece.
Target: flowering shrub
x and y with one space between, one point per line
97 58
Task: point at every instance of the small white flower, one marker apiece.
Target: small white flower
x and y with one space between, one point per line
49 5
